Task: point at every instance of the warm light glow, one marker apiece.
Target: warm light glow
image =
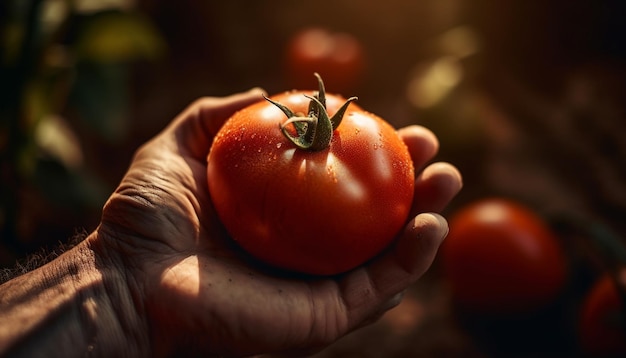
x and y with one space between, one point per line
432 83
460 42
54 135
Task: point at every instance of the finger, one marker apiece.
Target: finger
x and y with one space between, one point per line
411 255
421 143
367 289
393 302
435 186
196 126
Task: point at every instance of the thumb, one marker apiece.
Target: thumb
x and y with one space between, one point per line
196 126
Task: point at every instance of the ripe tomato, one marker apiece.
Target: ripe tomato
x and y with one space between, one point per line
501 258
338 57
603 318
318 211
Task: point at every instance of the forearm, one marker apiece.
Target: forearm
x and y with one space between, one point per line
76 305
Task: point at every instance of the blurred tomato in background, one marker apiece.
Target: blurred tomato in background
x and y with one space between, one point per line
340 57
602 325
500 258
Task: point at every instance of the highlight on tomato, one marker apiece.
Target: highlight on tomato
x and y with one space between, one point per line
310 182
501 258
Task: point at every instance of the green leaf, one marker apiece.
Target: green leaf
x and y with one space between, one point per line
100 95
119 37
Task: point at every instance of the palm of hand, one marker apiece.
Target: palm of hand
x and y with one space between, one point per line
189 264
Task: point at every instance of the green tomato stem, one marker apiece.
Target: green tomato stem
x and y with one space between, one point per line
314 132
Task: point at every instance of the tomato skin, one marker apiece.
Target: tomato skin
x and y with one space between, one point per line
602 334
338 57
501 258
321 212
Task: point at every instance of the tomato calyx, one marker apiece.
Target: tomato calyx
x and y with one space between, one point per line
314 131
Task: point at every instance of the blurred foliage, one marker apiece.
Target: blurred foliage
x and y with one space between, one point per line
64 67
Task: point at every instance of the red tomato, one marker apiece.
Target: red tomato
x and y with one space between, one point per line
603 318
320 211
501 258
338 57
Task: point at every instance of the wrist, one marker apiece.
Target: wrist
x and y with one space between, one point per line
120 322
76 305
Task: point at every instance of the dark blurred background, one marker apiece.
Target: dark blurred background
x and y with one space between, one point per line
526 97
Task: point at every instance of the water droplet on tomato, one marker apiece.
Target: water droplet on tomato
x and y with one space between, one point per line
278 145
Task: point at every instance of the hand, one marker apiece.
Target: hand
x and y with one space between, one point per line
197 293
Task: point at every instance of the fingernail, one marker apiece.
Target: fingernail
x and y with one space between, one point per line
258 90
443 223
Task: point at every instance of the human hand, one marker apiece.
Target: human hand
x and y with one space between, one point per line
198 293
